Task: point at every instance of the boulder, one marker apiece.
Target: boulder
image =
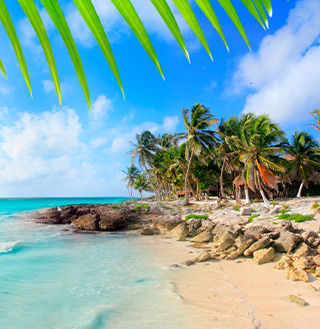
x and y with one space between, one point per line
147 231
227 239
194 223
219 229
68 214
52 216
302 250
207 224
189 262
302 263
112 220
296 300
255 231
260 244
297 274
203 237
241 239
180 231
203 257
167 224
275 210
263 256
245 211
87 222
237 253
309 234
316 260
286 242
283 263
285 226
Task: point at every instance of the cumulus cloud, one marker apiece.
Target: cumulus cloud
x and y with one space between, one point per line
39 144
99 111
119 137
48 86
284 74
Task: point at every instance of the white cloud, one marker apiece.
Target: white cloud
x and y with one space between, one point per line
48 86
285 72
99 111
37 145
170 124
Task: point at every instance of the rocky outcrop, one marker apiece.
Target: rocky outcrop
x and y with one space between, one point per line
297 274
286 242
263 256
260 244
205 236
86 222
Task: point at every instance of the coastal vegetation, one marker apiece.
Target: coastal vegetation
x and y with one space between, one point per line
221 157
259 9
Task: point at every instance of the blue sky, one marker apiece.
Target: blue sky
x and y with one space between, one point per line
48 150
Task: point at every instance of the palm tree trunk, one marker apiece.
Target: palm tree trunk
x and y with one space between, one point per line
186 179
141 195
131 193
153 187
246 191
300 190
265 200
221 178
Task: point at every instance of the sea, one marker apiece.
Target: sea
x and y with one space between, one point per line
53 278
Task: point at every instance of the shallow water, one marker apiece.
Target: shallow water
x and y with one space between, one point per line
50 278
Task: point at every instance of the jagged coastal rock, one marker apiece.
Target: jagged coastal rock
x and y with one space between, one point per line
292 247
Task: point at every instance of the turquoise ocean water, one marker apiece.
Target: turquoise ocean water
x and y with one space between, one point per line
50 278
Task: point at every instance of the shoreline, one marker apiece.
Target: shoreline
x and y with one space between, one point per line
230 294
218 292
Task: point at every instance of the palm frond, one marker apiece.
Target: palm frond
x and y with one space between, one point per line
257 8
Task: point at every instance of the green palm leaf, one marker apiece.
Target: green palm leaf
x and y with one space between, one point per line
92 19
189 16
261 11
2 69
253 10
166 14
33 15
53 9
130 15
6 21
229 9
268 6
207 9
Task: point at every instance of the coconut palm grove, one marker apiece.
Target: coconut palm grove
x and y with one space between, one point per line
249 153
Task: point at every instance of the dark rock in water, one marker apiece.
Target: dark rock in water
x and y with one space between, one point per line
67 214
87 222
175 267
112 220
147 231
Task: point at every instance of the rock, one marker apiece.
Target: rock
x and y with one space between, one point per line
245 245
189 262
286 226
286 242
207 224
316 260
275 210
167 224
147 231
52 216
87 222
263 256
174 267
283 263
194 223
296 300
203 257
255 231
219 229
180 232
297 274
316 243
241 239
308 234
227 239
67 214
203 237
112 220
302 250
302 263
236 229
260 244
245 211
317 272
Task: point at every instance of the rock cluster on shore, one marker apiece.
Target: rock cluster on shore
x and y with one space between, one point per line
289 246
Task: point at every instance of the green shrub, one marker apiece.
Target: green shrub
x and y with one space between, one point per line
141 206
284 211
297 218
252 217
275 223
196 216
118 206
236 207
315 206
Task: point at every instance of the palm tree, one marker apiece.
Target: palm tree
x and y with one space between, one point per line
259 10
131 175
144 150
199 137
260 144
141 184
316 116
305 157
